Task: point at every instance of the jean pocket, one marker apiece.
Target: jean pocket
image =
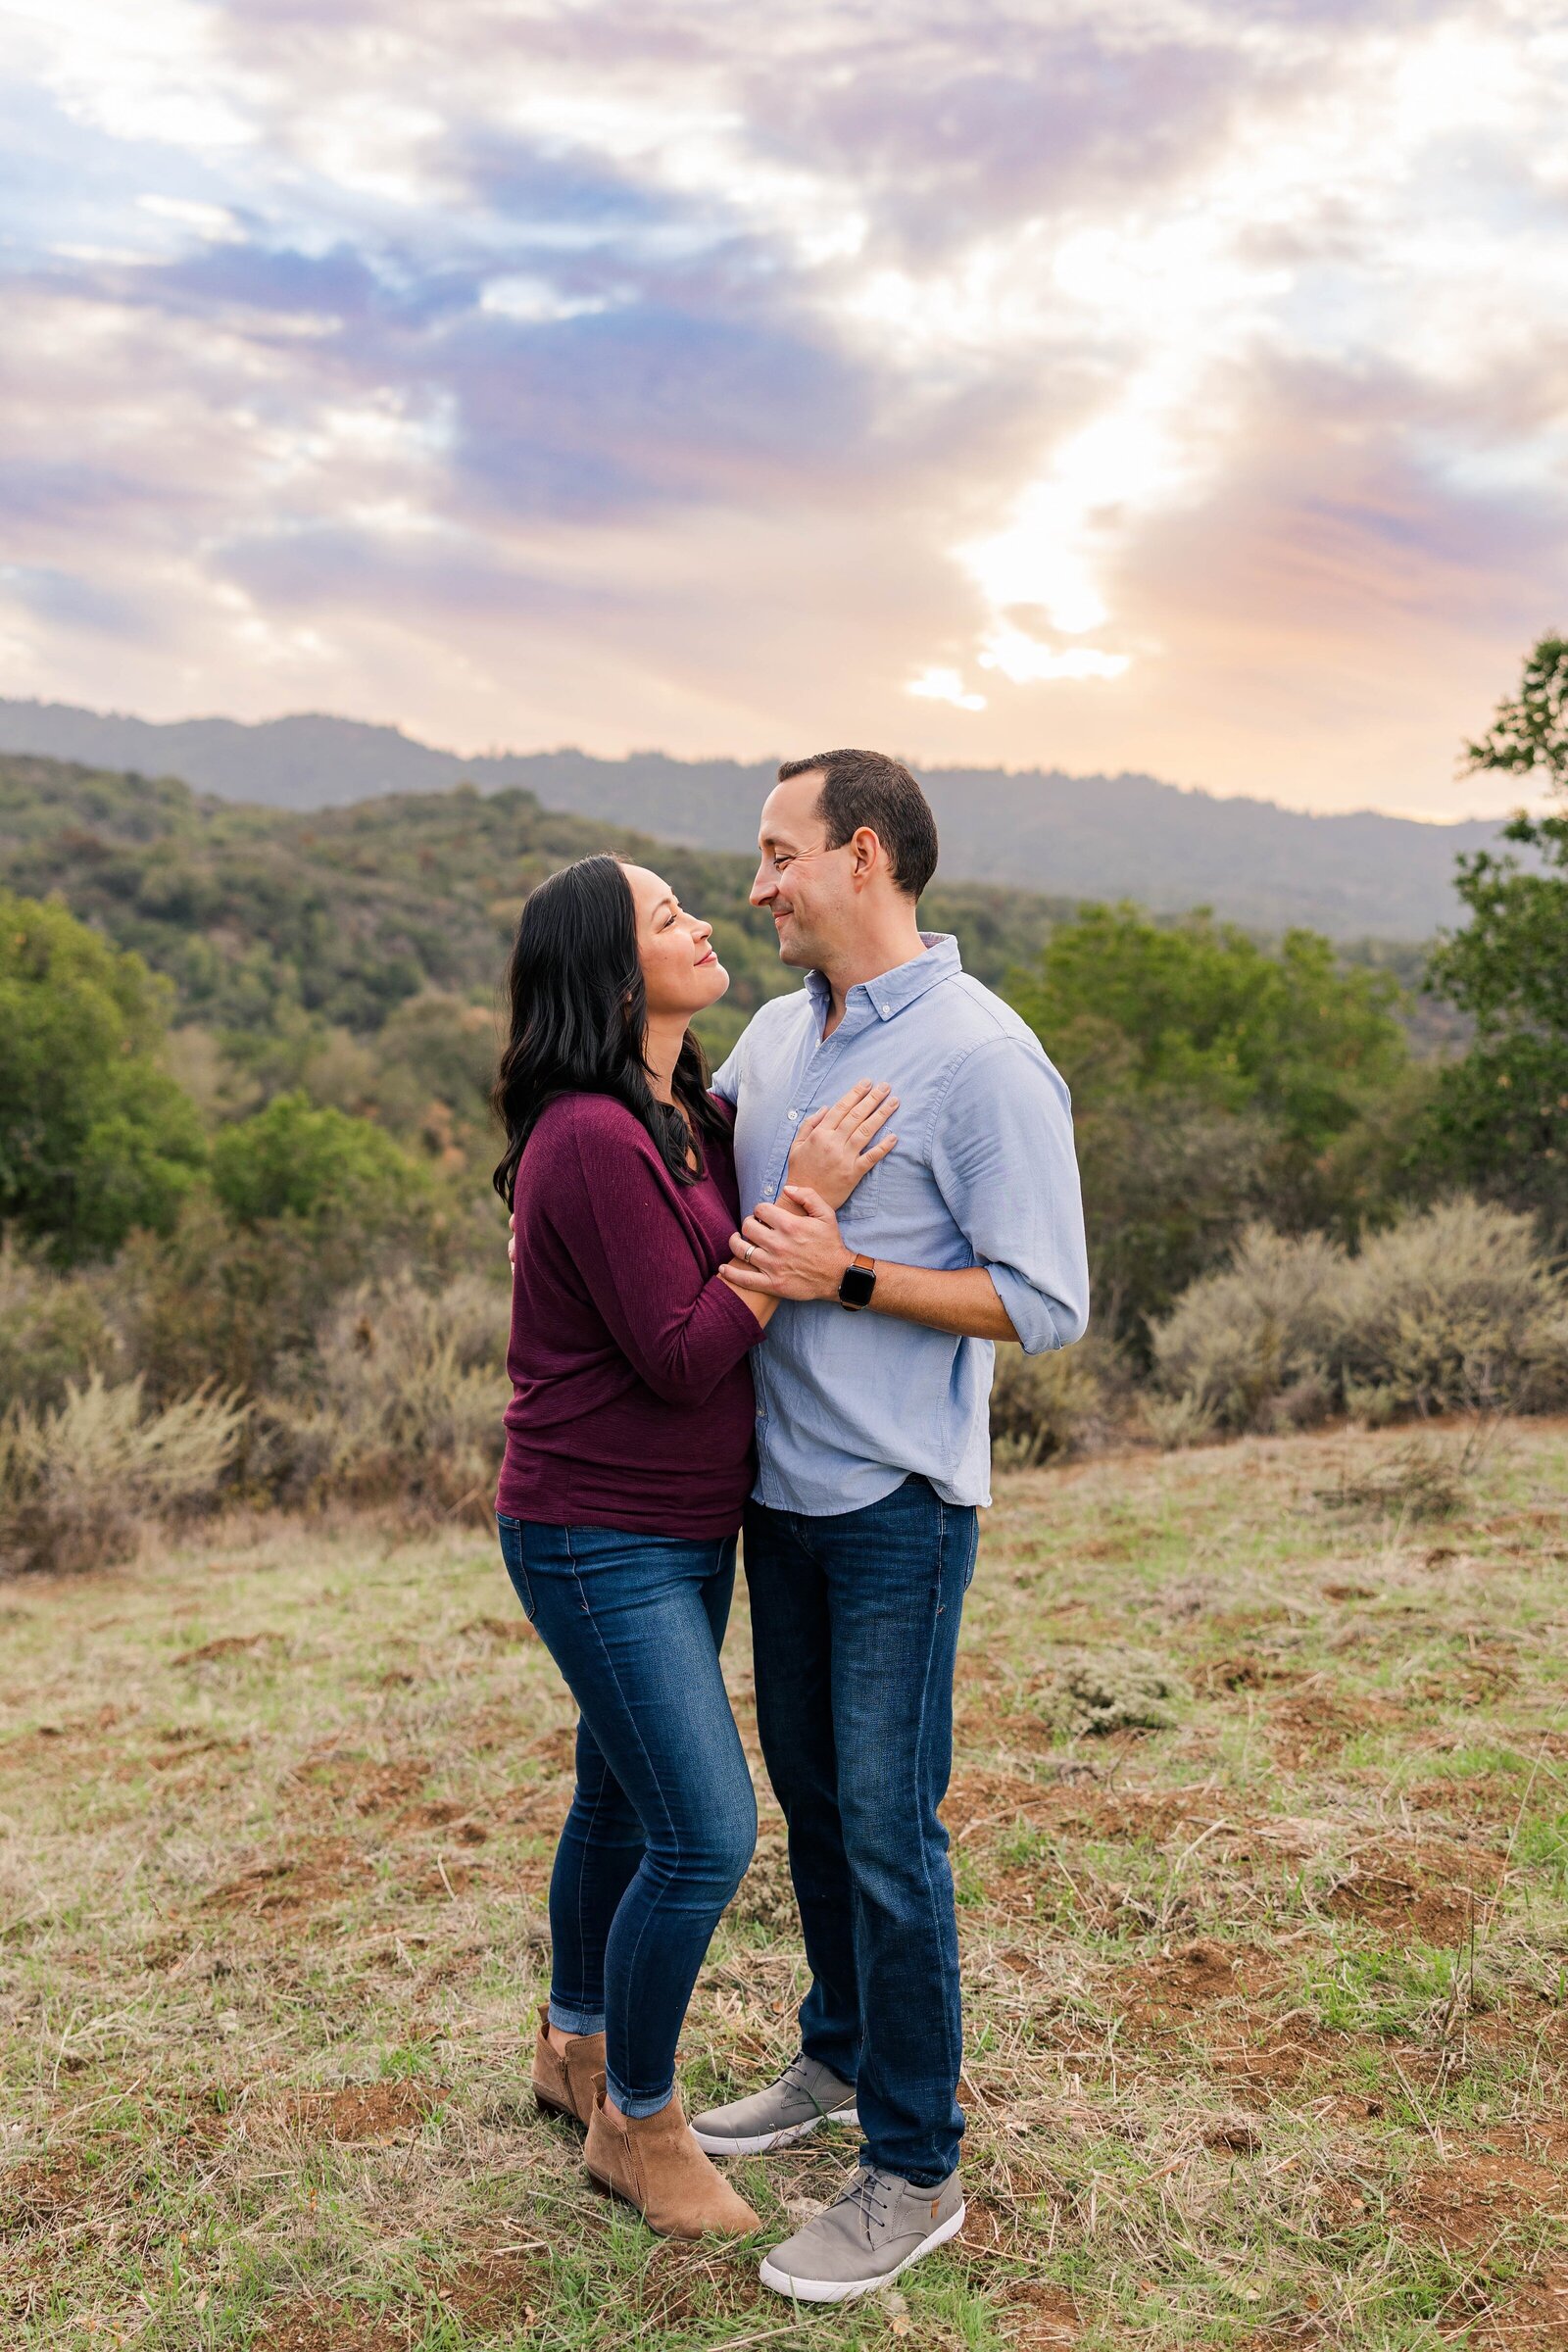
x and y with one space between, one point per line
511 1533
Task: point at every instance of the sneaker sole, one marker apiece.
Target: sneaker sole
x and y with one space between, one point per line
840 2291
765 2142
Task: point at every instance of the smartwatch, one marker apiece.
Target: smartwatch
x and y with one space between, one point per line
858 1283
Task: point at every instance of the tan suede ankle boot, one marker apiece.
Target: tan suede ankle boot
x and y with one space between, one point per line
655 2165
568 2083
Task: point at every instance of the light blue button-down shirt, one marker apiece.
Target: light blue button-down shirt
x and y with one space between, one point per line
984 1174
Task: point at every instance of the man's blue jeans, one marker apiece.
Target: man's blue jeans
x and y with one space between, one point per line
663 1819
856 1625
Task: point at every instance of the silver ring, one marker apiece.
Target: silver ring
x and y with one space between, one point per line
750 1252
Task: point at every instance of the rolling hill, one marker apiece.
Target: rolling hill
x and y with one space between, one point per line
1074 837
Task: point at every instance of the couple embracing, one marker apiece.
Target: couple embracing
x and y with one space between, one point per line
768 1301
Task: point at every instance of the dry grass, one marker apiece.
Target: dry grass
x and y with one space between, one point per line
1267 2008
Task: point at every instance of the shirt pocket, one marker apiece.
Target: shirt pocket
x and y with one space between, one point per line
862 1202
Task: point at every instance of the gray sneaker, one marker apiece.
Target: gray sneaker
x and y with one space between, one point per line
806 2094
873 2231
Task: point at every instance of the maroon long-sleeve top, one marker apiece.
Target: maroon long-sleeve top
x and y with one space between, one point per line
631 1394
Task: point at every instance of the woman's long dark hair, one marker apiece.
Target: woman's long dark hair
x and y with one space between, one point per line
579 1018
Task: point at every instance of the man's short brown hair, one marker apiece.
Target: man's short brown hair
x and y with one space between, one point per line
867 788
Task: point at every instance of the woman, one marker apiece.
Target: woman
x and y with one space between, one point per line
629 1457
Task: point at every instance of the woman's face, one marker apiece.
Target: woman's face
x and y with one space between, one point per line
680 971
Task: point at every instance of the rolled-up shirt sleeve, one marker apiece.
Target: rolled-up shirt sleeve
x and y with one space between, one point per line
1001 1152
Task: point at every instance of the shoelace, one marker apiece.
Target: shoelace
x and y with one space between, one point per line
865 2190
793 2077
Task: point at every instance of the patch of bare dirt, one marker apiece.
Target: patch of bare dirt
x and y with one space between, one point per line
506 1631
186 1745
1434 1893
44 2192
1081 1804
1486 1670
47 1735
167 1950
1490 1797
1310 1726
505 1723
449 1879
354 1783
538 1805
363 2111
328 2327
1038 2318
1531 2317
443 1814
1245 1670
498 2292
557 1748
312 1880
1168 1993
1474 2200
227 1646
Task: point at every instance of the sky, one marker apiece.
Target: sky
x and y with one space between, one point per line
1151 384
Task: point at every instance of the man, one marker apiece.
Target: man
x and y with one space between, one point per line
873 1452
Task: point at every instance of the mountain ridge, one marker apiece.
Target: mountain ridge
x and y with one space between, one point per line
1128 835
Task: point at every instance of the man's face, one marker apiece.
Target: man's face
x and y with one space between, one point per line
804 884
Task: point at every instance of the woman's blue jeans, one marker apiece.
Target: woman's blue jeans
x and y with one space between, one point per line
663 1819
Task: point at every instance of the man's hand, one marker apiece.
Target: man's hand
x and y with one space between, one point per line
789 1247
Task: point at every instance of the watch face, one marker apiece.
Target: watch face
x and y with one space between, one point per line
857 1284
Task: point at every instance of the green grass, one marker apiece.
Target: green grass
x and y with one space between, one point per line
1267 2011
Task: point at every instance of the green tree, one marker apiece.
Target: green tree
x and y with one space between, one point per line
1126 1004
317 1166
1529 736
1501 1116
95 1137
1214 1079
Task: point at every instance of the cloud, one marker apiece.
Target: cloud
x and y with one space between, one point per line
1155 384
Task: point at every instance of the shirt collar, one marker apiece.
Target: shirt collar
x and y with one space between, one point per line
889 991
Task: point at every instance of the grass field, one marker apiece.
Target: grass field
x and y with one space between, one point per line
1267 1992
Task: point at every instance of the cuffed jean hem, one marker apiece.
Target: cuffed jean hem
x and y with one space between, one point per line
574 2021
636 2109
916 2180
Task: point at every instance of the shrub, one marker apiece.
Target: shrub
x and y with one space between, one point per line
53 1329
1169 1181
1456 1307
1243 1339
1422 1481
242 1304
238 1305
1176 1422
77 1479
1041 1405
318 1167
411 1390
1089 1694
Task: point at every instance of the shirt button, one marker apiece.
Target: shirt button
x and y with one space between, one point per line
794 1115
887 1009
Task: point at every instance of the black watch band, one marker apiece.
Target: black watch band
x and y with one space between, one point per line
858 1283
